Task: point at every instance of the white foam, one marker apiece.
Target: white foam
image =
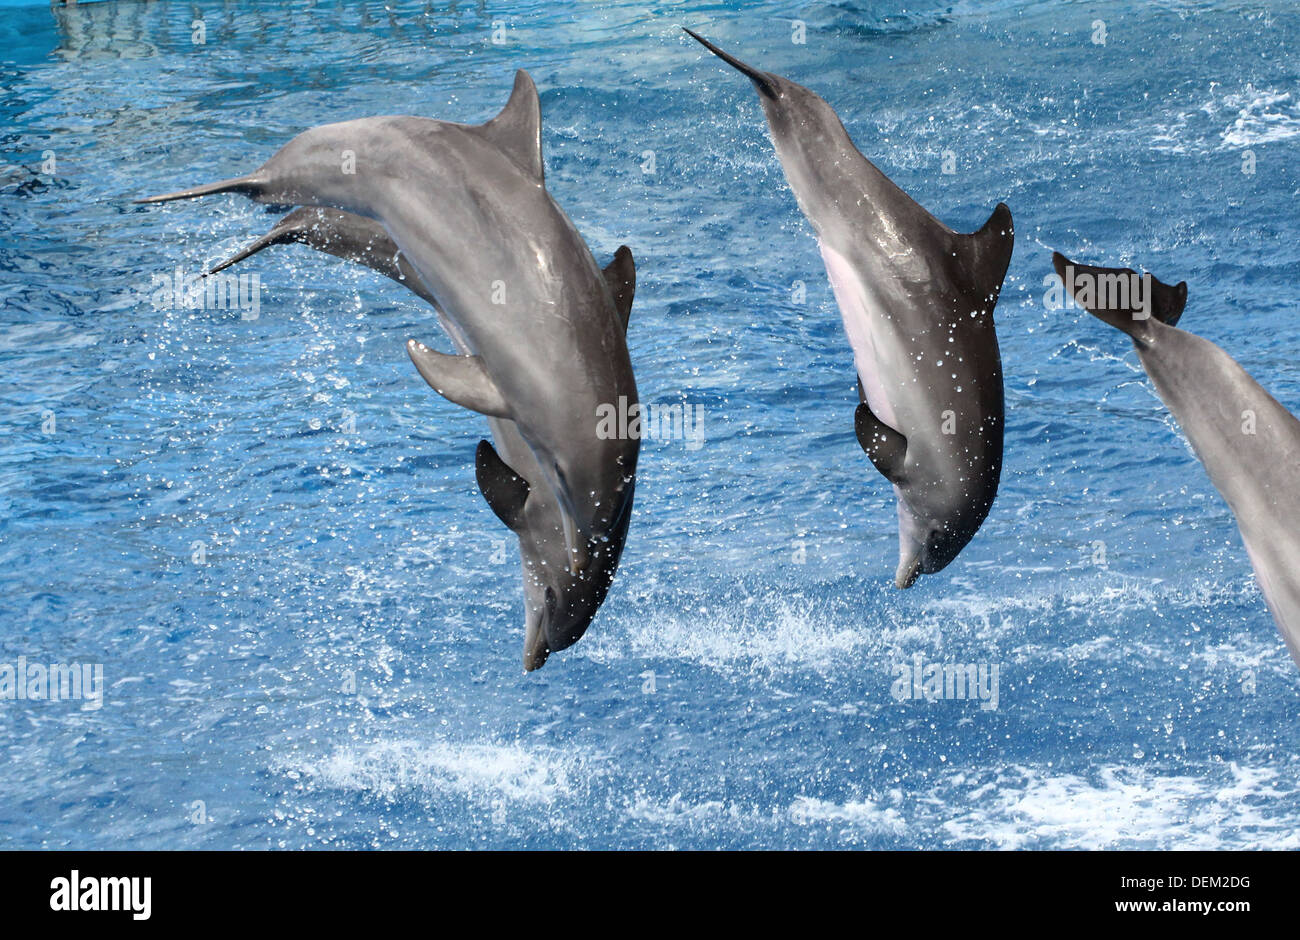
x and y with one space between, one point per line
1238 119
1263 116
481 771
1124 807
677 811
777 632
771 632
862 815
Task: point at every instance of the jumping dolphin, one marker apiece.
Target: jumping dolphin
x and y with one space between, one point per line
1248 443
468 209
558 605
917 301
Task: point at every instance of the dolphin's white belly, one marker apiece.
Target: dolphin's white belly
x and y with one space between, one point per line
874 354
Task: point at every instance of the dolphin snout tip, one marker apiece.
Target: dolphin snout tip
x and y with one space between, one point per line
536 624
908 572
535 658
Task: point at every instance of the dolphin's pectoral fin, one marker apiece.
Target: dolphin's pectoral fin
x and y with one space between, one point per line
885 446
1121 297
459 379
505 491
987 253
518 128
621 278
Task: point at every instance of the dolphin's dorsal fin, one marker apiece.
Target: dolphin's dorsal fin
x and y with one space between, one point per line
985 255
620 275
518 128
505 491
461 380
885 446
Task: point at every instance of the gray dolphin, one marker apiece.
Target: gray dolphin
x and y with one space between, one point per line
468 208
1248 443
558 605
917 301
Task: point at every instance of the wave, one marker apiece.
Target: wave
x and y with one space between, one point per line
484 772
1230 120
1100 617
1126 807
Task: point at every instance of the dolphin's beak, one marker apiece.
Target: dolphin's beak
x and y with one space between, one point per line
240 184
274 237
764 81
536 649
909 569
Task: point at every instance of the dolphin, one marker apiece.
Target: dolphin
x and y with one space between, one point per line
558 605
1247 442
468 208
917 302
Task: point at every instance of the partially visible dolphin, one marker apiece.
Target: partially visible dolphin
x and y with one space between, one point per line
558 605
917 301
468 208
1248 443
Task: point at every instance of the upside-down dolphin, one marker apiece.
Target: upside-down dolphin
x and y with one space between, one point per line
558 605
917 301
1248 443
468 208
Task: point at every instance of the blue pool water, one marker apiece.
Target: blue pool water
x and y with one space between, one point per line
242 519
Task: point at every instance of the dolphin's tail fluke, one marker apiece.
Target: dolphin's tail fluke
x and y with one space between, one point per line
246 185
1121 297
764 81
